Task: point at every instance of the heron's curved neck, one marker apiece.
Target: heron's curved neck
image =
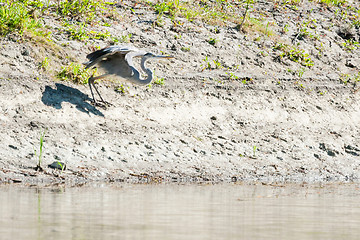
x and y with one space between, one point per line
136 76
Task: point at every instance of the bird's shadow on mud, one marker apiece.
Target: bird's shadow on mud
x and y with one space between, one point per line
55 96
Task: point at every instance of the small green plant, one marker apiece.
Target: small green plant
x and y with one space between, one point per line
356 22
207 64
77 32
74 72
38 166
301 72
254 151
350 45
307 30
121 89
159 81
62 166
232 76
246 80
347 78
217 64
185 49
299 55
218 81
99 35
299 85
212 41
291 2
294 54
280 46
320 49
331 2
44 64
356 77
285 28
125 38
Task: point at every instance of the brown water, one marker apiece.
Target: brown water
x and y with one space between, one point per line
181 212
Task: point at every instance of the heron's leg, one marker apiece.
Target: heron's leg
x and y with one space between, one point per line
92 82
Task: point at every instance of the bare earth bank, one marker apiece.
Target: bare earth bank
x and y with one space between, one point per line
187 130
203 124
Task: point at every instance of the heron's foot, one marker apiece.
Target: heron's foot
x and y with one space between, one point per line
108 104
102 104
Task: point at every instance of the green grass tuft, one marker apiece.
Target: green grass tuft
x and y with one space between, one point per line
81 9
42 136
14 17
74 72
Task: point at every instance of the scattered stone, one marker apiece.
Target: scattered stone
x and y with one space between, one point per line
25 52
352 150
13 147
148 146
328 150
58 165
347 32
351 63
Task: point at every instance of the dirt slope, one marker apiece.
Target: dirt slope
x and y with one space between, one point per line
229 111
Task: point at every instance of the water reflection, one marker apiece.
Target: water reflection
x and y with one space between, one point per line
181 212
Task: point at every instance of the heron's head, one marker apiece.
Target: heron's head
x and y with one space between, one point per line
151 55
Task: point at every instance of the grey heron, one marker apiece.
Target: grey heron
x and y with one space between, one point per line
118 61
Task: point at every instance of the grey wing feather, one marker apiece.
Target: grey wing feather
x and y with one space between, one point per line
99 55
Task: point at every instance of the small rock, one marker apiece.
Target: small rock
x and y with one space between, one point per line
25 52
58 165
16 180
351 63
148 146
13 147
330 152
346 32
352 150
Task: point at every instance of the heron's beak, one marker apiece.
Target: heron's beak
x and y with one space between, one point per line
164 56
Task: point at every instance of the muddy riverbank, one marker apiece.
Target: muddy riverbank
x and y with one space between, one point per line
235 110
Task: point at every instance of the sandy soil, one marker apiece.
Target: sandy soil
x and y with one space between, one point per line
203 124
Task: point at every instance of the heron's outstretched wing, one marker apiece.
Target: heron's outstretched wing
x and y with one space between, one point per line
99 55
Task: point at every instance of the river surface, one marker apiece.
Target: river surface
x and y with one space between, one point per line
224 211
